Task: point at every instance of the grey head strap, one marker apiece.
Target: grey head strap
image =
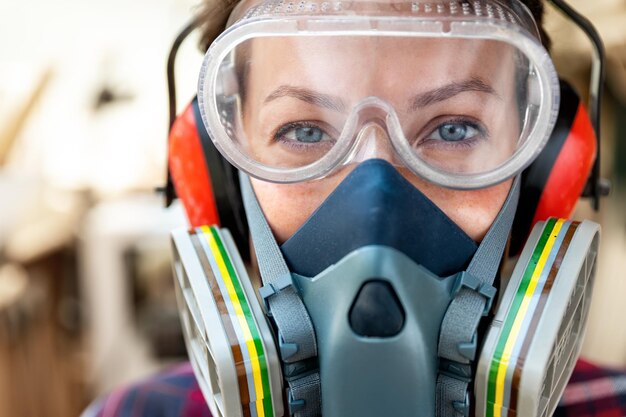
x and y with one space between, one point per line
474 294
296 335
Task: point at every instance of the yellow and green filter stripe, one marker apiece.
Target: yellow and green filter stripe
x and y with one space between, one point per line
521 322
242 331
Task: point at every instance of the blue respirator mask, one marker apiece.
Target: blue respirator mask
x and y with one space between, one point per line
379 304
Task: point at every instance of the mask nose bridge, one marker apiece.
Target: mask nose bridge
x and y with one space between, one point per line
375 122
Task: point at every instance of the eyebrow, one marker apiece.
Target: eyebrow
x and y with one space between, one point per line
450 90
309 96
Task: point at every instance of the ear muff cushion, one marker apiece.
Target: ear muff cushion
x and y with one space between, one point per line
189 171
553 183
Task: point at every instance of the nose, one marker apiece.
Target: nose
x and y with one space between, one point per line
373 142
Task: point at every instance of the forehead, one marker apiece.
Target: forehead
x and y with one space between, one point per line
372 65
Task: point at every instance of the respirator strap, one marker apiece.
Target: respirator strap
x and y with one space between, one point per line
474 293
296 335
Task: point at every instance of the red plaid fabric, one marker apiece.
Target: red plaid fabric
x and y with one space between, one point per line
173 393
592 392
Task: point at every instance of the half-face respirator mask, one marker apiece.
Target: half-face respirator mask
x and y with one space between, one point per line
379 304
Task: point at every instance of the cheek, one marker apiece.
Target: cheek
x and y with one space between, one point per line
473 211
287 206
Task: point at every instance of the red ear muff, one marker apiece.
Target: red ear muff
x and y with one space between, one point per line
554 182
189 171
570 172
205 182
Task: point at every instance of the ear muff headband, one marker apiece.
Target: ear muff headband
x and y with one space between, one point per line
168 189
596 187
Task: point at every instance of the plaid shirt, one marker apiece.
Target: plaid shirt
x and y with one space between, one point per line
592 392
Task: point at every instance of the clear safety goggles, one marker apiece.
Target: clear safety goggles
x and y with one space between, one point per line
461 93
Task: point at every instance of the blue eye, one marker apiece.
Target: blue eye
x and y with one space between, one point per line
454 132
302 133
308 134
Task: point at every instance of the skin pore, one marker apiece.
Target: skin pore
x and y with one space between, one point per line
300 87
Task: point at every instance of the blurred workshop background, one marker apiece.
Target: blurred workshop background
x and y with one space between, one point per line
86 296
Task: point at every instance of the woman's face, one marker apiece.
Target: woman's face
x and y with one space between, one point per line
455 100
